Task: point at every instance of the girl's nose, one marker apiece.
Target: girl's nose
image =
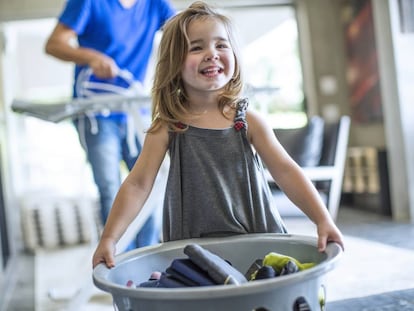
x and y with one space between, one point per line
211 56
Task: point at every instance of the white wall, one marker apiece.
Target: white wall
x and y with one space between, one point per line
29 9
403 47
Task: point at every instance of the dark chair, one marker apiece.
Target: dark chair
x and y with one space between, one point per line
320 149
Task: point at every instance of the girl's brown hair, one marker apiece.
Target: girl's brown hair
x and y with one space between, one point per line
168 94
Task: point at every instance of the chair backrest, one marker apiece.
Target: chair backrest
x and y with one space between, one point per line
335 136
330 141
316 143
335 155
321 146
304 144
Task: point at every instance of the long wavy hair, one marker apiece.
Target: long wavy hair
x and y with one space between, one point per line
170 101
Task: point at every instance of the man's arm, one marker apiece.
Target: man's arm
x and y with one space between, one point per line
61 44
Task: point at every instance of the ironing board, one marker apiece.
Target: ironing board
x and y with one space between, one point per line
63 110
66 109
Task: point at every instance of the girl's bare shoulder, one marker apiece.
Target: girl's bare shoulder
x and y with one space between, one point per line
158 135
256 121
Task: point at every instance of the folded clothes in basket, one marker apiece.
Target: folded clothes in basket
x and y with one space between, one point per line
201 268
189 273
165 281
279 263
217 268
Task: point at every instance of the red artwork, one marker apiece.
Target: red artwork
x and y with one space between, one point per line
362 63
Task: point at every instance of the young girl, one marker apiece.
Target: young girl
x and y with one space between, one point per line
216 186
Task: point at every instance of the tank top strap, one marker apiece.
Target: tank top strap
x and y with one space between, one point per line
240 118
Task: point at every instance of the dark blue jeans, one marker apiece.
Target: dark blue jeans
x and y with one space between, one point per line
106 145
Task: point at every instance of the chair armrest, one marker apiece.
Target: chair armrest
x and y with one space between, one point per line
317 173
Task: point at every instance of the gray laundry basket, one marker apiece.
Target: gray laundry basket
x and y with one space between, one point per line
276 294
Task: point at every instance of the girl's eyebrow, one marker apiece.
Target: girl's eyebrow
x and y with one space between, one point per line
215 38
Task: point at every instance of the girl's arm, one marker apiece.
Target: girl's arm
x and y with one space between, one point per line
132 195
291 179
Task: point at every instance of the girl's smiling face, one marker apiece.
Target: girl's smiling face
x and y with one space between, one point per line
210 62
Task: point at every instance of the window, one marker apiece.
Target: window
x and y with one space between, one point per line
46 156
271 62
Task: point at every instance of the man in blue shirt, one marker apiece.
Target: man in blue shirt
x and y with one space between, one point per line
112 36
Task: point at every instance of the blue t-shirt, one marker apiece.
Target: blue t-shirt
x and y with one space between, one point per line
125 34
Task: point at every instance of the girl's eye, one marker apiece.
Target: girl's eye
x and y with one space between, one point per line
195 48
222 46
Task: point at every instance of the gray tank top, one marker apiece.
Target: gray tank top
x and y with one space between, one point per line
216 185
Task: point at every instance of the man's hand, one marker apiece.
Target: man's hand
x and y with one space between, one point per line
104 67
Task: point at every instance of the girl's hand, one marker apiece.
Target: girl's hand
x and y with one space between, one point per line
104 253
328 232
